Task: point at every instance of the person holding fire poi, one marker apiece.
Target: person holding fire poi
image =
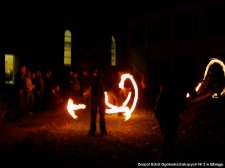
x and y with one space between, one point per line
97 102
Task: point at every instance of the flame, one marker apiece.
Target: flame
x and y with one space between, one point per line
124 108
188 95
211 62
72 107
215 96
198 87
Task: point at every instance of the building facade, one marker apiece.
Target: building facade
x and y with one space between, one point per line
191 33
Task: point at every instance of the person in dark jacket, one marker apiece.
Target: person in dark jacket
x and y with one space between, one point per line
171 104
97 102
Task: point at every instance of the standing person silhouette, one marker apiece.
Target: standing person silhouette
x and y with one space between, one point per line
97 102
171 104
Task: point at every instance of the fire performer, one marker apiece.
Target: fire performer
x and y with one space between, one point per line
97 102
170 104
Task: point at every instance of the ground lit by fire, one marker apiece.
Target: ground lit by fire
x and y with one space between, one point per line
54 138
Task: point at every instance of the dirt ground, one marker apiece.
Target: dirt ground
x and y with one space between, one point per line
54 138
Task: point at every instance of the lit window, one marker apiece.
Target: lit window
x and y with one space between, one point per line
67 48
113 52
9 69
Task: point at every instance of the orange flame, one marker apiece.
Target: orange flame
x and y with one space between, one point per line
211 62
72 107
196 89
124 108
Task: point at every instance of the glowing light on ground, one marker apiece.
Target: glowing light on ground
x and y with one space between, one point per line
123 108
71 108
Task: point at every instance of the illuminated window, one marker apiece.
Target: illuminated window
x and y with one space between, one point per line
9 69
67 48
113 52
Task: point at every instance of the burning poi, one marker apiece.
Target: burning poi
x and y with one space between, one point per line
211 62
72 107
123 108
